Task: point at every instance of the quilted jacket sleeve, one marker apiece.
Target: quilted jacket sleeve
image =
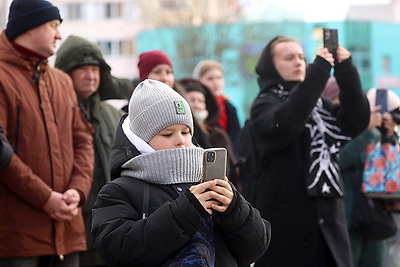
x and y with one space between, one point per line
124 237
245 232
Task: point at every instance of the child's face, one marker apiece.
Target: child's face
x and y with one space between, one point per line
173 136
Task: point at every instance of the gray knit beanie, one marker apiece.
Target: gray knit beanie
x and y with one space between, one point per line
154 106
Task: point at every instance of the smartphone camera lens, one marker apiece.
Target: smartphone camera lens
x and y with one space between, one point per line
211 156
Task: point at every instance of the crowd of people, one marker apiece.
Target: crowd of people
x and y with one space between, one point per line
83 183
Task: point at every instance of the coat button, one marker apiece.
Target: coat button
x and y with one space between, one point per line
179 189
321 221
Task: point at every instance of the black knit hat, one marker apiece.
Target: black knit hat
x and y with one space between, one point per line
266 66
28 14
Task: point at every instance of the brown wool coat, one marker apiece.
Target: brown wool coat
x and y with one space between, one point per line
54 151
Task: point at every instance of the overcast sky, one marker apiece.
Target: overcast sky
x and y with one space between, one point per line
312 10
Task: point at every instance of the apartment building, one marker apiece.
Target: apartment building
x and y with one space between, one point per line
112 24
4 5
387 11
115 24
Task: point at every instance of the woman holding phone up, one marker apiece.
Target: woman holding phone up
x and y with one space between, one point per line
299 188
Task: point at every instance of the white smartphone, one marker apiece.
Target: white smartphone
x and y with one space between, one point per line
214 164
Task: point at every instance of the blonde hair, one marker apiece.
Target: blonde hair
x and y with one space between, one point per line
204 66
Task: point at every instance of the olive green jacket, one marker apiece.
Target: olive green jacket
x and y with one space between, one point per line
102 116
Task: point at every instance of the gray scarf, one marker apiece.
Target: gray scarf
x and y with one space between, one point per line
169 166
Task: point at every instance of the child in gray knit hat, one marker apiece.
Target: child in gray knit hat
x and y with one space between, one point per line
159 212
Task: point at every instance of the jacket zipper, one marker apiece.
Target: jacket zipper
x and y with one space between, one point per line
36 78
17 129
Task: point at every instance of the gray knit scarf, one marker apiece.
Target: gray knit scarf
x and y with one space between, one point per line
169 166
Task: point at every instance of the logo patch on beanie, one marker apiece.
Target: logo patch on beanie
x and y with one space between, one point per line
180 107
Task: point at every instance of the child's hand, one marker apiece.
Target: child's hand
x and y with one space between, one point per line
223 193
204 194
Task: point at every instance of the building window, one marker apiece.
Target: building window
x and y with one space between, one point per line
386 64
74 11
126 47
361 58
117 47
106 47
113 10
131 10
173 4
365 63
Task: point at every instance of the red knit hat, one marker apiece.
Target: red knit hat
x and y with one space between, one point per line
148 60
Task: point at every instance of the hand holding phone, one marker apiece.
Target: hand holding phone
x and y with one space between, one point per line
214 164
381 99
213 195
330 40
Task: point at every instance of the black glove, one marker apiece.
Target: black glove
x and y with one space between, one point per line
6 151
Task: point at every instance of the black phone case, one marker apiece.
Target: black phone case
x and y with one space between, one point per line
330 39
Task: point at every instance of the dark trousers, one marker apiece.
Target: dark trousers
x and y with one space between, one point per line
70 260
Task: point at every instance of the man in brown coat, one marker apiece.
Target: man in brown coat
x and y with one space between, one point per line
50 173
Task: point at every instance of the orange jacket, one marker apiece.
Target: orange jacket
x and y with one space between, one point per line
53 152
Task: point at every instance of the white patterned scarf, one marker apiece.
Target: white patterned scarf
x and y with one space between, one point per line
324 177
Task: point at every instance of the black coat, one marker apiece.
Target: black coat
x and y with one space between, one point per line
233 123
303 225
124 238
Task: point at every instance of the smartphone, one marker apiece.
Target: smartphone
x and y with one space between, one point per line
330 39
381 99
214 164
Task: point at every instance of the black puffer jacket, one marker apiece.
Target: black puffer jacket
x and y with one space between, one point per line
124 238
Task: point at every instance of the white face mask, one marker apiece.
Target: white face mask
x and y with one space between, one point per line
201 115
